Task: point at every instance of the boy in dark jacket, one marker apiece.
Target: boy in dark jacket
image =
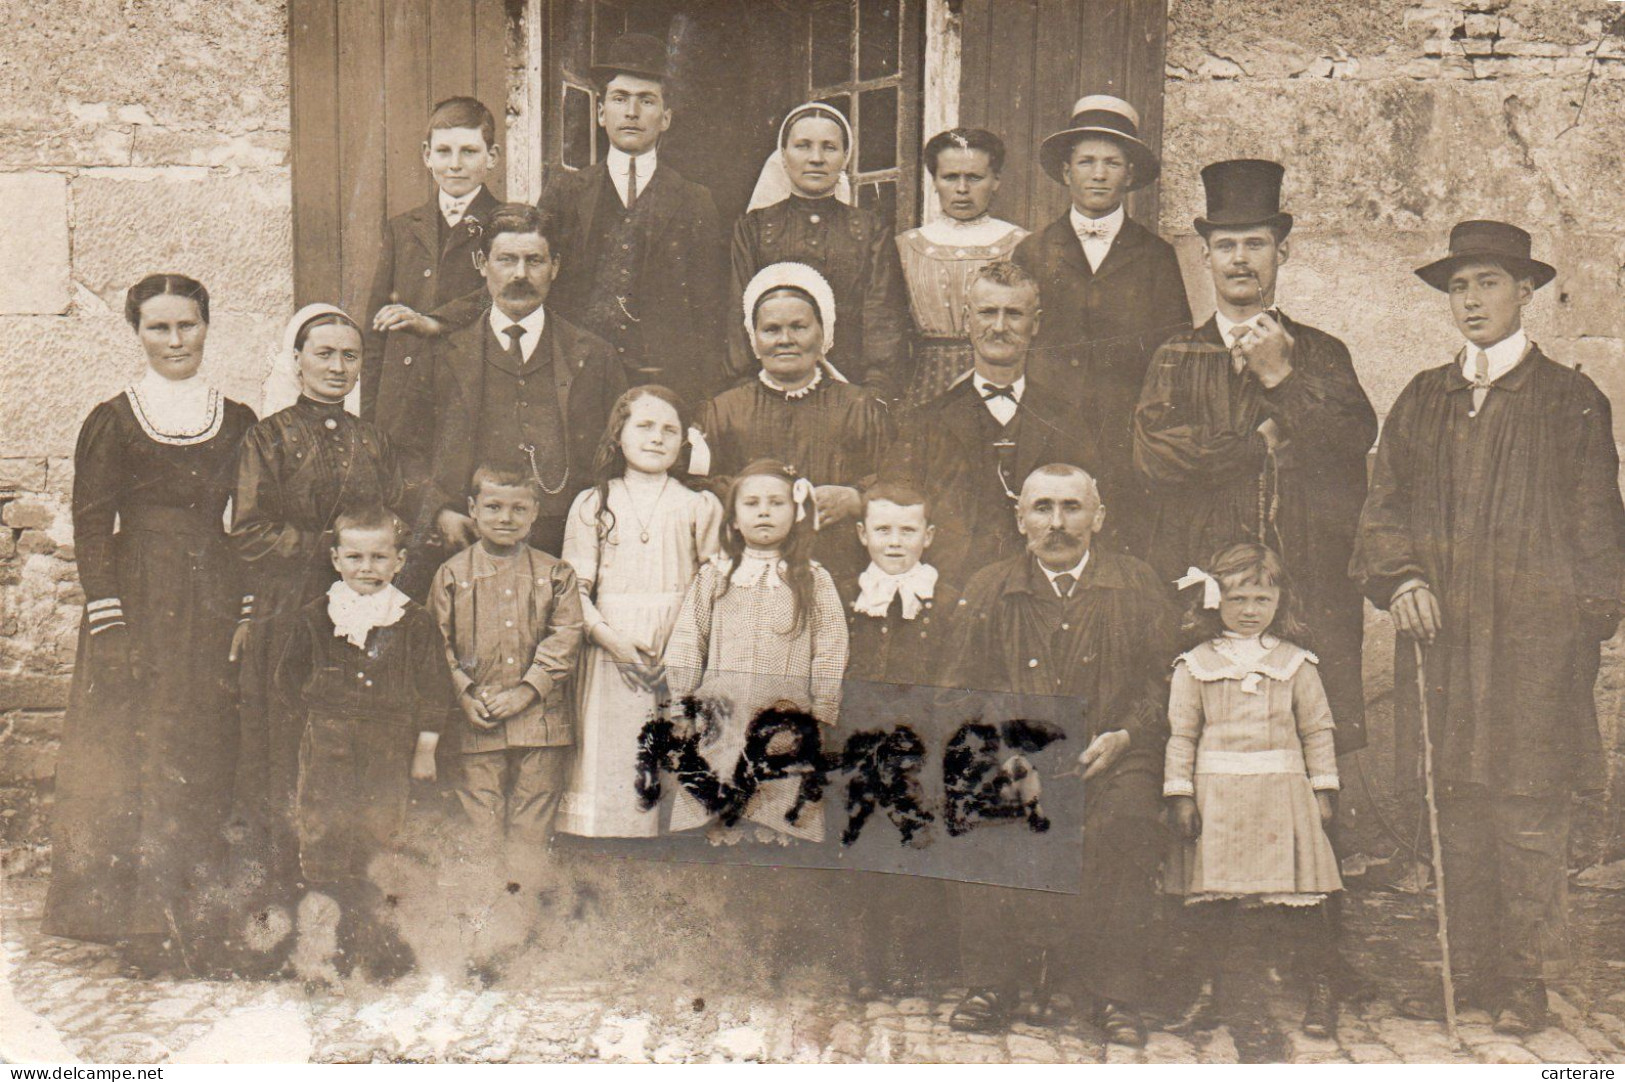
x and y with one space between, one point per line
366 664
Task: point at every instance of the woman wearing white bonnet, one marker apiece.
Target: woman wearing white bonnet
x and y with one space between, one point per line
799 407
302 465
803 210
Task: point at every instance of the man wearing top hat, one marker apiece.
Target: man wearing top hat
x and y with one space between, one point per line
1112 290
1494 534
642 259
1254 427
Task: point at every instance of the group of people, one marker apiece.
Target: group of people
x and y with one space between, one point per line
596 472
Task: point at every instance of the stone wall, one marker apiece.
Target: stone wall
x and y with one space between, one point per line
1395 120
135 136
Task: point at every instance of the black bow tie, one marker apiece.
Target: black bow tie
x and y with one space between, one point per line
990 392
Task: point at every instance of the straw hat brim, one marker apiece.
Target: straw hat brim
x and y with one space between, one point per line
1437 274
1054 151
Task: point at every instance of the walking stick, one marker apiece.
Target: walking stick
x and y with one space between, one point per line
1438 849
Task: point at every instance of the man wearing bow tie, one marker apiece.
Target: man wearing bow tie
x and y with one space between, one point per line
969 448
1112 291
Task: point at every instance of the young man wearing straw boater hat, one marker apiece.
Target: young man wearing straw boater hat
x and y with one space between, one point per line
642 259
1112 289
1254 427
1494 534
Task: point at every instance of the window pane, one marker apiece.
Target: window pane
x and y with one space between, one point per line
841 102
877 129
879 35
882 196
578 126
831 42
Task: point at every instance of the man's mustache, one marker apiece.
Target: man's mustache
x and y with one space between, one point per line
518 289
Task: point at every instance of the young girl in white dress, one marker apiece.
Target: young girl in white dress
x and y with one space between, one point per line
762 625
635 540
1250 771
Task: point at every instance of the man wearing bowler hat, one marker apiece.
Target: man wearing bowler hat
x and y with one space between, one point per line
1494 534
1112 290
1254 427
642 260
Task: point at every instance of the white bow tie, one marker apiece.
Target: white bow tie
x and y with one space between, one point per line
1095 230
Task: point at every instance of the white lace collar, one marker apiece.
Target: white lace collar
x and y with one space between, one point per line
1248 659
800 392
758 567
176 411
876 588
354 615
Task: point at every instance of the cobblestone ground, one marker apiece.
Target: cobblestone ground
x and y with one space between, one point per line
61 1000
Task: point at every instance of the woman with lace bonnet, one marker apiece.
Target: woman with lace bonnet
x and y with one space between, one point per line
799 408
804 210
143 779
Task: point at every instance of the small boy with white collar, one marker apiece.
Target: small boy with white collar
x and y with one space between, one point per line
893 606
897 611
366 664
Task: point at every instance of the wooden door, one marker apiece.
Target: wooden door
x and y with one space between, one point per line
365 75
1023 64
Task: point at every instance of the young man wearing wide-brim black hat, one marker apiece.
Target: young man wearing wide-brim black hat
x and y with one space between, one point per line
1112 290
642 258
1254 427
1494 534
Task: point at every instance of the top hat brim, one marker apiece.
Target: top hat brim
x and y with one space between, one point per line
603 73
1055 150
1437 274
1280 219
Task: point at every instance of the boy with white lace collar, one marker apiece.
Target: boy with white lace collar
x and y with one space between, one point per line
893 605
366 664
896 612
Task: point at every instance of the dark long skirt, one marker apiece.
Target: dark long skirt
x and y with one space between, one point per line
144 775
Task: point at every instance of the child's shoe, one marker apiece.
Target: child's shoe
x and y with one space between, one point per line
1320 1016
1204 1012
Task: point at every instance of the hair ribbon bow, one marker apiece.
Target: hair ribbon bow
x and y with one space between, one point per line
801 491
1212 593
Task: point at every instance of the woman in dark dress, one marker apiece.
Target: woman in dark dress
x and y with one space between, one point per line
297 470
799 410
802 212
144 775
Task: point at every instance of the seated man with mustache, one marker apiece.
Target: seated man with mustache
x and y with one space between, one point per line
519 384
1066 618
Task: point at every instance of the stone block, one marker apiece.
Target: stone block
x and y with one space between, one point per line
35 542
27 514
233 233
31 691
34 244
22 474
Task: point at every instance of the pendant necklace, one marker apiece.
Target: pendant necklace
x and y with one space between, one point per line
631 497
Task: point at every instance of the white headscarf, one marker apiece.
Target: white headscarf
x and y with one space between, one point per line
281 387
773 184
796 276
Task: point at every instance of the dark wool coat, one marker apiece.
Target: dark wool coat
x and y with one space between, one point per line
945 449
587 380
1197 446
891 650
421 264
1111 645
1514 519
676 277
1097 336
